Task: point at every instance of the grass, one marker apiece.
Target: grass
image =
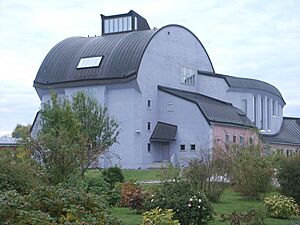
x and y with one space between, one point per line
141 175
231 201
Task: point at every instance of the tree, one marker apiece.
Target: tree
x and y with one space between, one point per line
21 131
73 135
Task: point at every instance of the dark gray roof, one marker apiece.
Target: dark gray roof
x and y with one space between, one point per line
121 53
164 132
213 110
289 133
245 83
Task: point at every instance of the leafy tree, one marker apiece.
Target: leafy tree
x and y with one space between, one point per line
21 131
100 130
73 134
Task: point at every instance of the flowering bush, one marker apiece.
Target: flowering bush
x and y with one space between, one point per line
280 206
190 207
159 216
131 195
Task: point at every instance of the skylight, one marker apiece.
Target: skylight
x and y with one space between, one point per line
89 62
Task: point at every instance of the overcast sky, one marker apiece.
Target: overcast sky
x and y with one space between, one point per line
256 38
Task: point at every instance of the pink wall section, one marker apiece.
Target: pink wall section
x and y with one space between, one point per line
220 131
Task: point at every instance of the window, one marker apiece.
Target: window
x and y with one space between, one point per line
118 24
170 107
255 110
149 103
149 147
227 138
188 76
268 114
182 147
234 139
241 140
135 23
262 113
89 62
251 141
149 126
244 105
273 108
193 147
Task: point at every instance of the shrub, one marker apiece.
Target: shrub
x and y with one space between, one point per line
209 176
252 217
289 177
250 173
189 206
54 205
281 206
159 216
18 171
113 175
131 195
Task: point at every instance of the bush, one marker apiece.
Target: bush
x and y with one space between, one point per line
189 206
252 217
18 171
281 206
250 173
113 175
159 216
131 195
289 177
54 205
208 176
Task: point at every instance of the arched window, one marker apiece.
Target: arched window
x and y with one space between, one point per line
244 105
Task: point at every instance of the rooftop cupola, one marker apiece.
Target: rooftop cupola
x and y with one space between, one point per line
120 23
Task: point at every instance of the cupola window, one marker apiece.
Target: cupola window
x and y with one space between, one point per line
89 62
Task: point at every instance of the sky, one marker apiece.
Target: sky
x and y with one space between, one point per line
258 39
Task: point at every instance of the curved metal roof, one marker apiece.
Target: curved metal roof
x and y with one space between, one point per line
245 83
121 55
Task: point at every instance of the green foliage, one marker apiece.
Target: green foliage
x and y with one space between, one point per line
208 176
18 171
131 195
113 175
54 205
159 216
289 177
280 206
190 207
73 135
21 131
250 173
169 173
252 217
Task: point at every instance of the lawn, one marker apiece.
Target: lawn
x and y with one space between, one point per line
230 201
142 175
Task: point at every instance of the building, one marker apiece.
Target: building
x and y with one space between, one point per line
7 142
161 86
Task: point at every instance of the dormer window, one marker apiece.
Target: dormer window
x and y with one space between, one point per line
120 24
89 62
127 22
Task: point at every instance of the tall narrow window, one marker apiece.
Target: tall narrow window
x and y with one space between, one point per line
262 113
250 140
244 105
149 147
255 109
135 23
268 114
241 140
273 108
149 103
149 126
227 138
234 139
